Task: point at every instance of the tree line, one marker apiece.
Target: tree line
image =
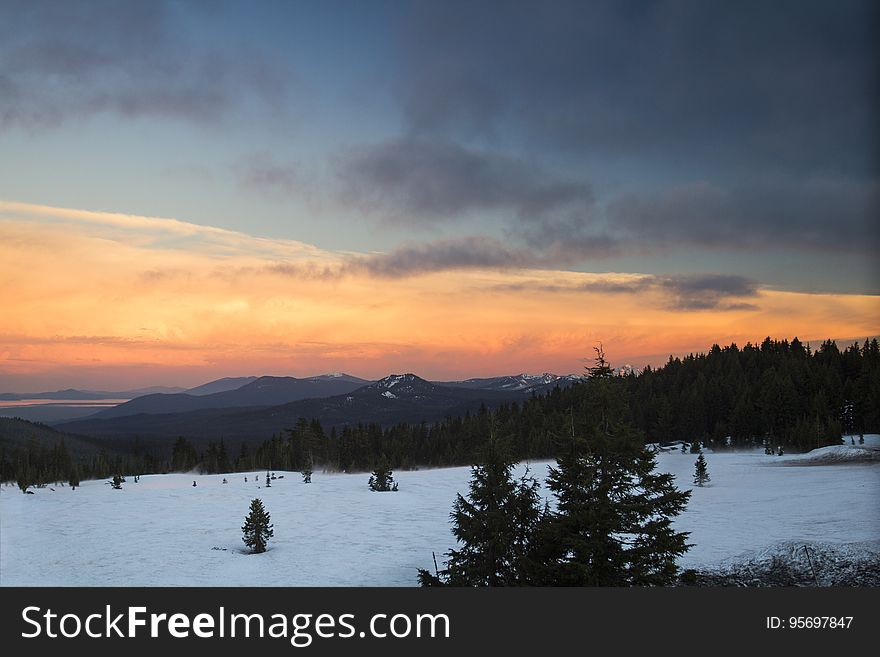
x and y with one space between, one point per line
37 464
778 393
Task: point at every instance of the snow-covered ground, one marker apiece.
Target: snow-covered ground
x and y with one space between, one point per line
162 531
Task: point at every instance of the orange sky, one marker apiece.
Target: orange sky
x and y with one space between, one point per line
111 301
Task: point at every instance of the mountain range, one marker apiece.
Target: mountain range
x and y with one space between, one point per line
74 394
538 383
253 413
256 391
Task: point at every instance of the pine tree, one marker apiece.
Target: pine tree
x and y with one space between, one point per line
382 480
847 417
257 529
183 456
223 464
494 525
73 478
24 478
307 470
268 484
701 473
613 523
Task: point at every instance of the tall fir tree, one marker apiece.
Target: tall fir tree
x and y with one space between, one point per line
701 471
613 523
493 525
257 529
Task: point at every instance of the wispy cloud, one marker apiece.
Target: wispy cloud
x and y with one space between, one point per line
458 254
162 232
684 292
262 174
709 291
61 60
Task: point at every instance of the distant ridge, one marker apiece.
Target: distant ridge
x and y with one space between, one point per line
394 399
519 382
74 394
220 385
257 391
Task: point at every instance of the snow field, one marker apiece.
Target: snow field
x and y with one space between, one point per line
162 531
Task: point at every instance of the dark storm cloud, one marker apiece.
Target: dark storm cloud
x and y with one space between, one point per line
71 59
419 180
749 125
685 292
790 83
811 214
560 222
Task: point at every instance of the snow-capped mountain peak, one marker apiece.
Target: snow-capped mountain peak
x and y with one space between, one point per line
402 383
522 382
392 380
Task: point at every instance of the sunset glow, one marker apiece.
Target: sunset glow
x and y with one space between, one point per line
115 299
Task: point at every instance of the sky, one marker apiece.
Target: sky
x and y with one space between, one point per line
191 190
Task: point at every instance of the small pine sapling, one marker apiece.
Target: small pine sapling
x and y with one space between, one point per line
701 472
382 480
257 529
307 470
